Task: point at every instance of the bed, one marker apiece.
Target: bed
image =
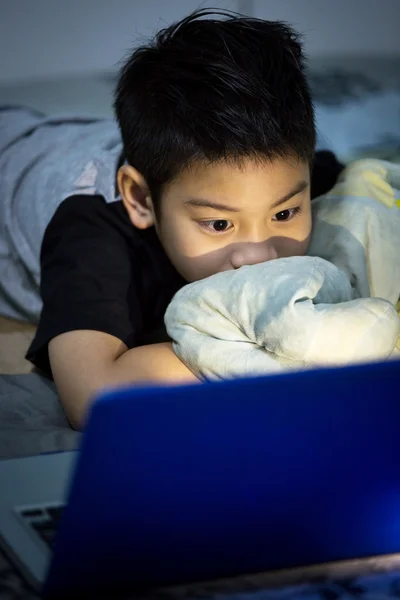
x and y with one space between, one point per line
357 104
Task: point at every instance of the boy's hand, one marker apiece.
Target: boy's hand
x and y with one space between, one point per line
85 362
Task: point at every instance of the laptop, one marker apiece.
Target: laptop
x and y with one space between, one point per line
173 485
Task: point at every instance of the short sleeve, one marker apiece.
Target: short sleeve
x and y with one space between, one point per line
86 276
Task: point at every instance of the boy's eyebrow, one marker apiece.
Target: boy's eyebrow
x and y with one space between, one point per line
300 187
203 203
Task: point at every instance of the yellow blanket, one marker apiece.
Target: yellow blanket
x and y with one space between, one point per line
375 179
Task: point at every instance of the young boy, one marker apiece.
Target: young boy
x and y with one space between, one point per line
213 172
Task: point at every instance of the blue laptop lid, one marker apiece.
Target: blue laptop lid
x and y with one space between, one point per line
178 484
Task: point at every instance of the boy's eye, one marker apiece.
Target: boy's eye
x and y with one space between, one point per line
286 215
217 226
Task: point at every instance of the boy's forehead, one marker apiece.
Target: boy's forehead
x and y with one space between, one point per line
229 177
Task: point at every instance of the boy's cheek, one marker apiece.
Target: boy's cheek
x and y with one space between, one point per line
193 268
286 247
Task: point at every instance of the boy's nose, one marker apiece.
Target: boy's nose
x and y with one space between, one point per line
252 254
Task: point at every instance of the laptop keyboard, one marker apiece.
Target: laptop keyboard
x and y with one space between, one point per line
43 520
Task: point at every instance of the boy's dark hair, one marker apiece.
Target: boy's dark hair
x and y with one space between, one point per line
212 89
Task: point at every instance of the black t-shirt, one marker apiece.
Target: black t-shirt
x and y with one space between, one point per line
99 272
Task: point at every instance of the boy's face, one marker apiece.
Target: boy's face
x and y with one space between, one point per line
220 217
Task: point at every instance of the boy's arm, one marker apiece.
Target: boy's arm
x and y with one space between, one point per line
84 362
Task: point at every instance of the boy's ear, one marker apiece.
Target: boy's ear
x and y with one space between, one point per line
136 197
